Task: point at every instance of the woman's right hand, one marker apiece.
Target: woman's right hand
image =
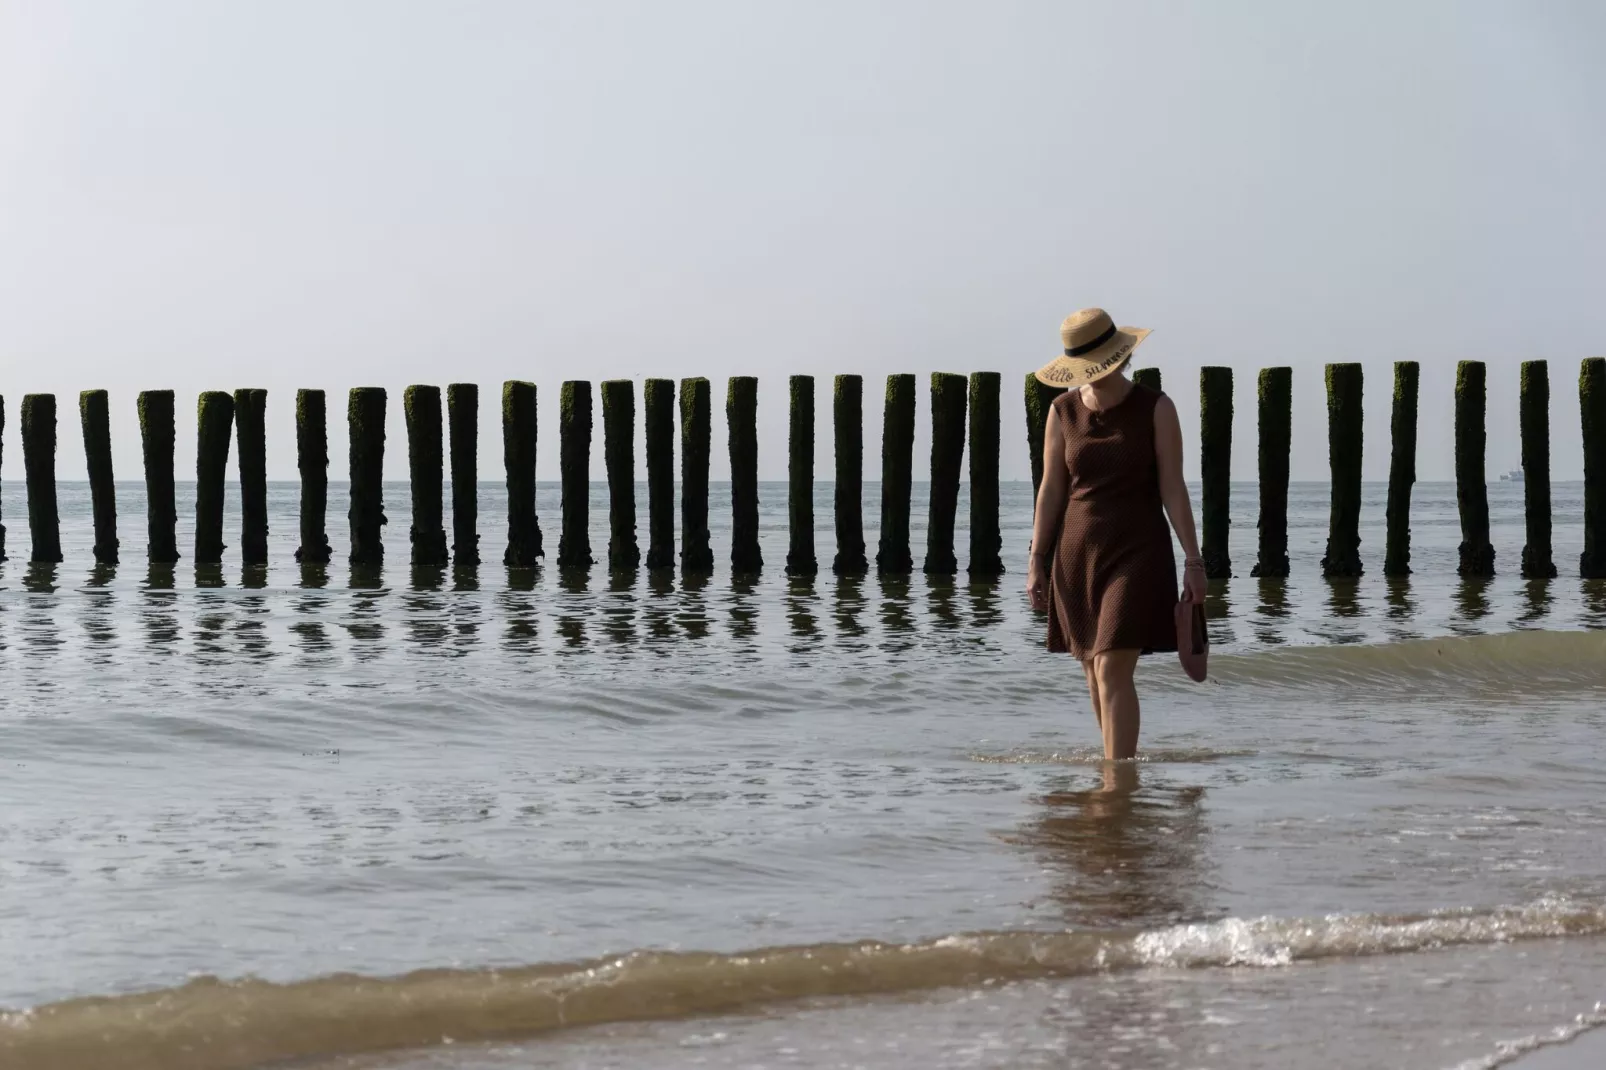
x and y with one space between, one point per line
1037 583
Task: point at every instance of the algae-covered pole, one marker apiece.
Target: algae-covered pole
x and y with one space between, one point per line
1215 463
985 540
94 412
365 415
574 462
463 424
847 425
1344 440
312 462
1275 391
519 433
696 445
1039 399
947 462
741 415
1592 415
250 431
619 452
39 464
658 403
1149 377
800 559
897 475
421 406
157 435
1538 561
1471 492
1402 468
214 425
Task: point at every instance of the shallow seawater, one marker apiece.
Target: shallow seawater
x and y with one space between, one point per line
785 822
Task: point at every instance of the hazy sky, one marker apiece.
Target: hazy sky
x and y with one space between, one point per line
213 194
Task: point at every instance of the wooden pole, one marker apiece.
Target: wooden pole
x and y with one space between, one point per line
1149 377
696 444
658 399
947 461
619 453
1402 468
1538 559
519 438
897 476
94 413
1039 399
1344 442
1276 396
250 429
39 463
847 424
365 416
986 543
1471 492
2 455
463 423
574 445
800 559
157 434
421 407
1215 459
741 416
1592 416
214 426
312 462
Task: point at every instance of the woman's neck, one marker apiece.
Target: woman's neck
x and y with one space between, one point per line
1108 391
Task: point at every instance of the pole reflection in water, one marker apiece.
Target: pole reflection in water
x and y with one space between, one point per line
424 609
254 577
1536 601
619 612
1218 607
211 618
693 606
365 623
572 586
1472 604
743 613
1271 613
99 608
658 612
849 605
800 599
518 606
252 627
1343 623
985 611
1594 597
465 608
940 600
210 577
39 634
897 625
159 614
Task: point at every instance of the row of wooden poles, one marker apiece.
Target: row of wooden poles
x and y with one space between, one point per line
953 398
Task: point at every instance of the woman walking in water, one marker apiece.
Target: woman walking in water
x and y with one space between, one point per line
1102 565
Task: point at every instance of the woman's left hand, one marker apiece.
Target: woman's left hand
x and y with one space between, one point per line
1193 584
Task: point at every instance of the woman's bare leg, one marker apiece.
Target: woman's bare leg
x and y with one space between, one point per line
1117 702
1093 692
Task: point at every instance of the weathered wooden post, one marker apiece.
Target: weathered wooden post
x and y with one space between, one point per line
1471 492
1276 425
1538 559
696 444
658 399
1592 415
39 465
2 455
741 415
947 461
250 429
985 541
1149 377
421 407
897 475
1344 441
463 425
1039 399
1402 468
1215 463
519 438
214 427
619 453
574 462
157 435
365 416
800 559
94 413
847 425
312 462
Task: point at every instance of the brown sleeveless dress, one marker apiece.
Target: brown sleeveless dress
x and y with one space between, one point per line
1113 585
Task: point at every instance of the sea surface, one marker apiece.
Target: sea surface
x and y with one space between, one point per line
399 819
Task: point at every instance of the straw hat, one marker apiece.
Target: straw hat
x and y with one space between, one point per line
1094 347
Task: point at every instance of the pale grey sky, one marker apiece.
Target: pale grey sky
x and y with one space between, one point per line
209 194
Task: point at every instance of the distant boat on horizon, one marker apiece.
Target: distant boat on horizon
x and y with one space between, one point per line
1513 476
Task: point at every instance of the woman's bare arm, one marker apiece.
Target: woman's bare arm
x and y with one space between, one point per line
1173 490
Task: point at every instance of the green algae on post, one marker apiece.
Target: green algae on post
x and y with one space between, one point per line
1592 417
800 559
1275 390
463 425
619 453
1538 560
214 427
574 464
312 462
847 425
1039 399
94 413
696 445
741 416
1215 461
250 431
1344 445
1471 490
947 463
421 409
1402 468
658 403
897 476
519 431
365 416
39 465
1149 377
986 543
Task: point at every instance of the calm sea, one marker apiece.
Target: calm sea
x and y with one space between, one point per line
485 821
